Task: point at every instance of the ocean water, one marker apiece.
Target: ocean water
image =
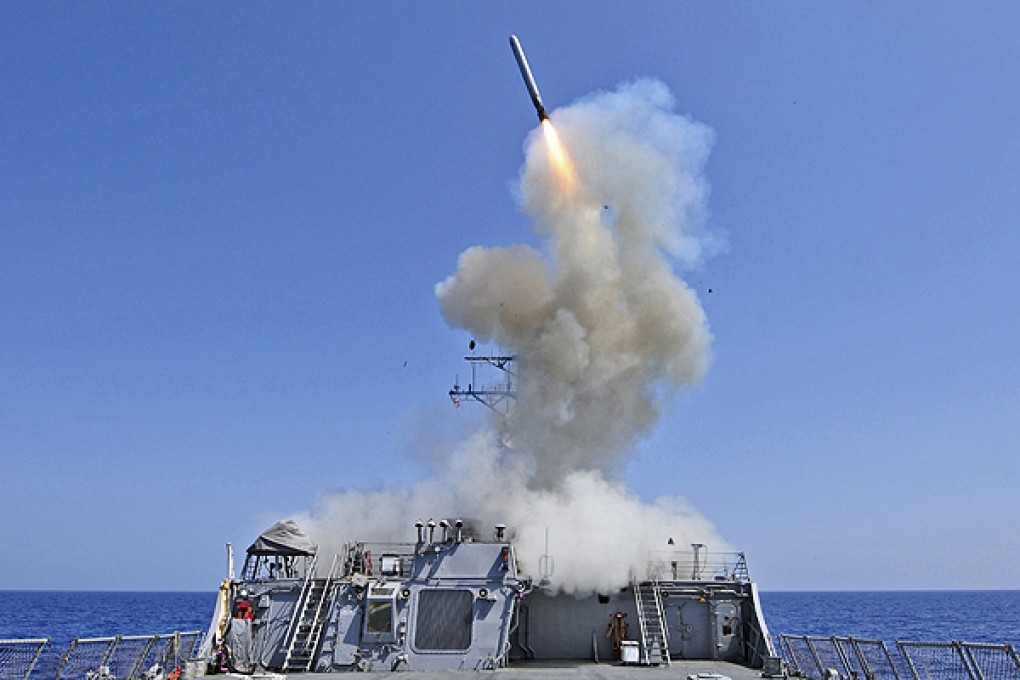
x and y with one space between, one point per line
65 615
923 616
970 616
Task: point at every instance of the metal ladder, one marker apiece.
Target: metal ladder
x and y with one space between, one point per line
303 619
322 612
308 631
654 640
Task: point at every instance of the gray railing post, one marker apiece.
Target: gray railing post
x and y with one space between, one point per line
35 658
104 660
814 655
971 661
784 650
958 648
65 658
1013 655
888 657
861 659
139 663
841 653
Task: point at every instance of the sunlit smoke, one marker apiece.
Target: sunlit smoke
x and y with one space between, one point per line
604 331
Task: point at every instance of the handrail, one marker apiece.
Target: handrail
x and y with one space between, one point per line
6 662
330 576
124 656
664 653
949 660
299 606
685 565
139 662
640 606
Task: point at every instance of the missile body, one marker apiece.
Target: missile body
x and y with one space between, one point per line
529 79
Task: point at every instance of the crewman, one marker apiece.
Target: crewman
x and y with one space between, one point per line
618 629
244 609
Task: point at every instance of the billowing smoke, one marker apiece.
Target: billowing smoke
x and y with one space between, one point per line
603 330
602 326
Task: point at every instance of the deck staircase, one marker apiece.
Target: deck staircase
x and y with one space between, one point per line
309 619
654 640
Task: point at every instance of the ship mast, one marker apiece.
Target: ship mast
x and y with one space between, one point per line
499 397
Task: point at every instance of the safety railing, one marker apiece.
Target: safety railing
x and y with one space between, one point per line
699 565
19 657
849 657
124 657
993 661
378 558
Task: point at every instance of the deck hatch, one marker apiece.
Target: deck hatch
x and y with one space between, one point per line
444 620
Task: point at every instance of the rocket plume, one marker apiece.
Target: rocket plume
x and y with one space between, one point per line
564 168
604 332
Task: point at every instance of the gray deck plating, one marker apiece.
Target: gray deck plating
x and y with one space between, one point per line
679 670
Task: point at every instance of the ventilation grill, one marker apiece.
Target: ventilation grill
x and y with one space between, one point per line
444 620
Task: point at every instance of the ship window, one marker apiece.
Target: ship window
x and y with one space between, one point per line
380 617
444 620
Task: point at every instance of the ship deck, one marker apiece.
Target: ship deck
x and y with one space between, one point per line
554 670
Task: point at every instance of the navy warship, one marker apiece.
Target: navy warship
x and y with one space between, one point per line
456 597
460 594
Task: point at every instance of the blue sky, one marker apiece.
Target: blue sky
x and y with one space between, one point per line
221 227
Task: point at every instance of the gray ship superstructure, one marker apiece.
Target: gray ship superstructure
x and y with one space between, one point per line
458 599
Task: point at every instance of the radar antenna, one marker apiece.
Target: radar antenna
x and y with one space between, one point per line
500 397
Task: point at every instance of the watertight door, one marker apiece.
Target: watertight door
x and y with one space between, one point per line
690 632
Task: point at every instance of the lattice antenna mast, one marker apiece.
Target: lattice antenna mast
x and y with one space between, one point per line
500 397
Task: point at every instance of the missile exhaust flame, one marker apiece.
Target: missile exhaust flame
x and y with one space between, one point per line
559 159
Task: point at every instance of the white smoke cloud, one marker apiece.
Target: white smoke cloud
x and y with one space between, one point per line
603 330
604 323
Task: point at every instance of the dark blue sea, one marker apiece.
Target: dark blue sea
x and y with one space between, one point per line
970 616
65 615
923 616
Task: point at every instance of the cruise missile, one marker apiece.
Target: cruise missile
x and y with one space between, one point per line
529 79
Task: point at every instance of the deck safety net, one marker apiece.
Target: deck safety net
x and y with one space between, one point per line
817 657
19 657
141 657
